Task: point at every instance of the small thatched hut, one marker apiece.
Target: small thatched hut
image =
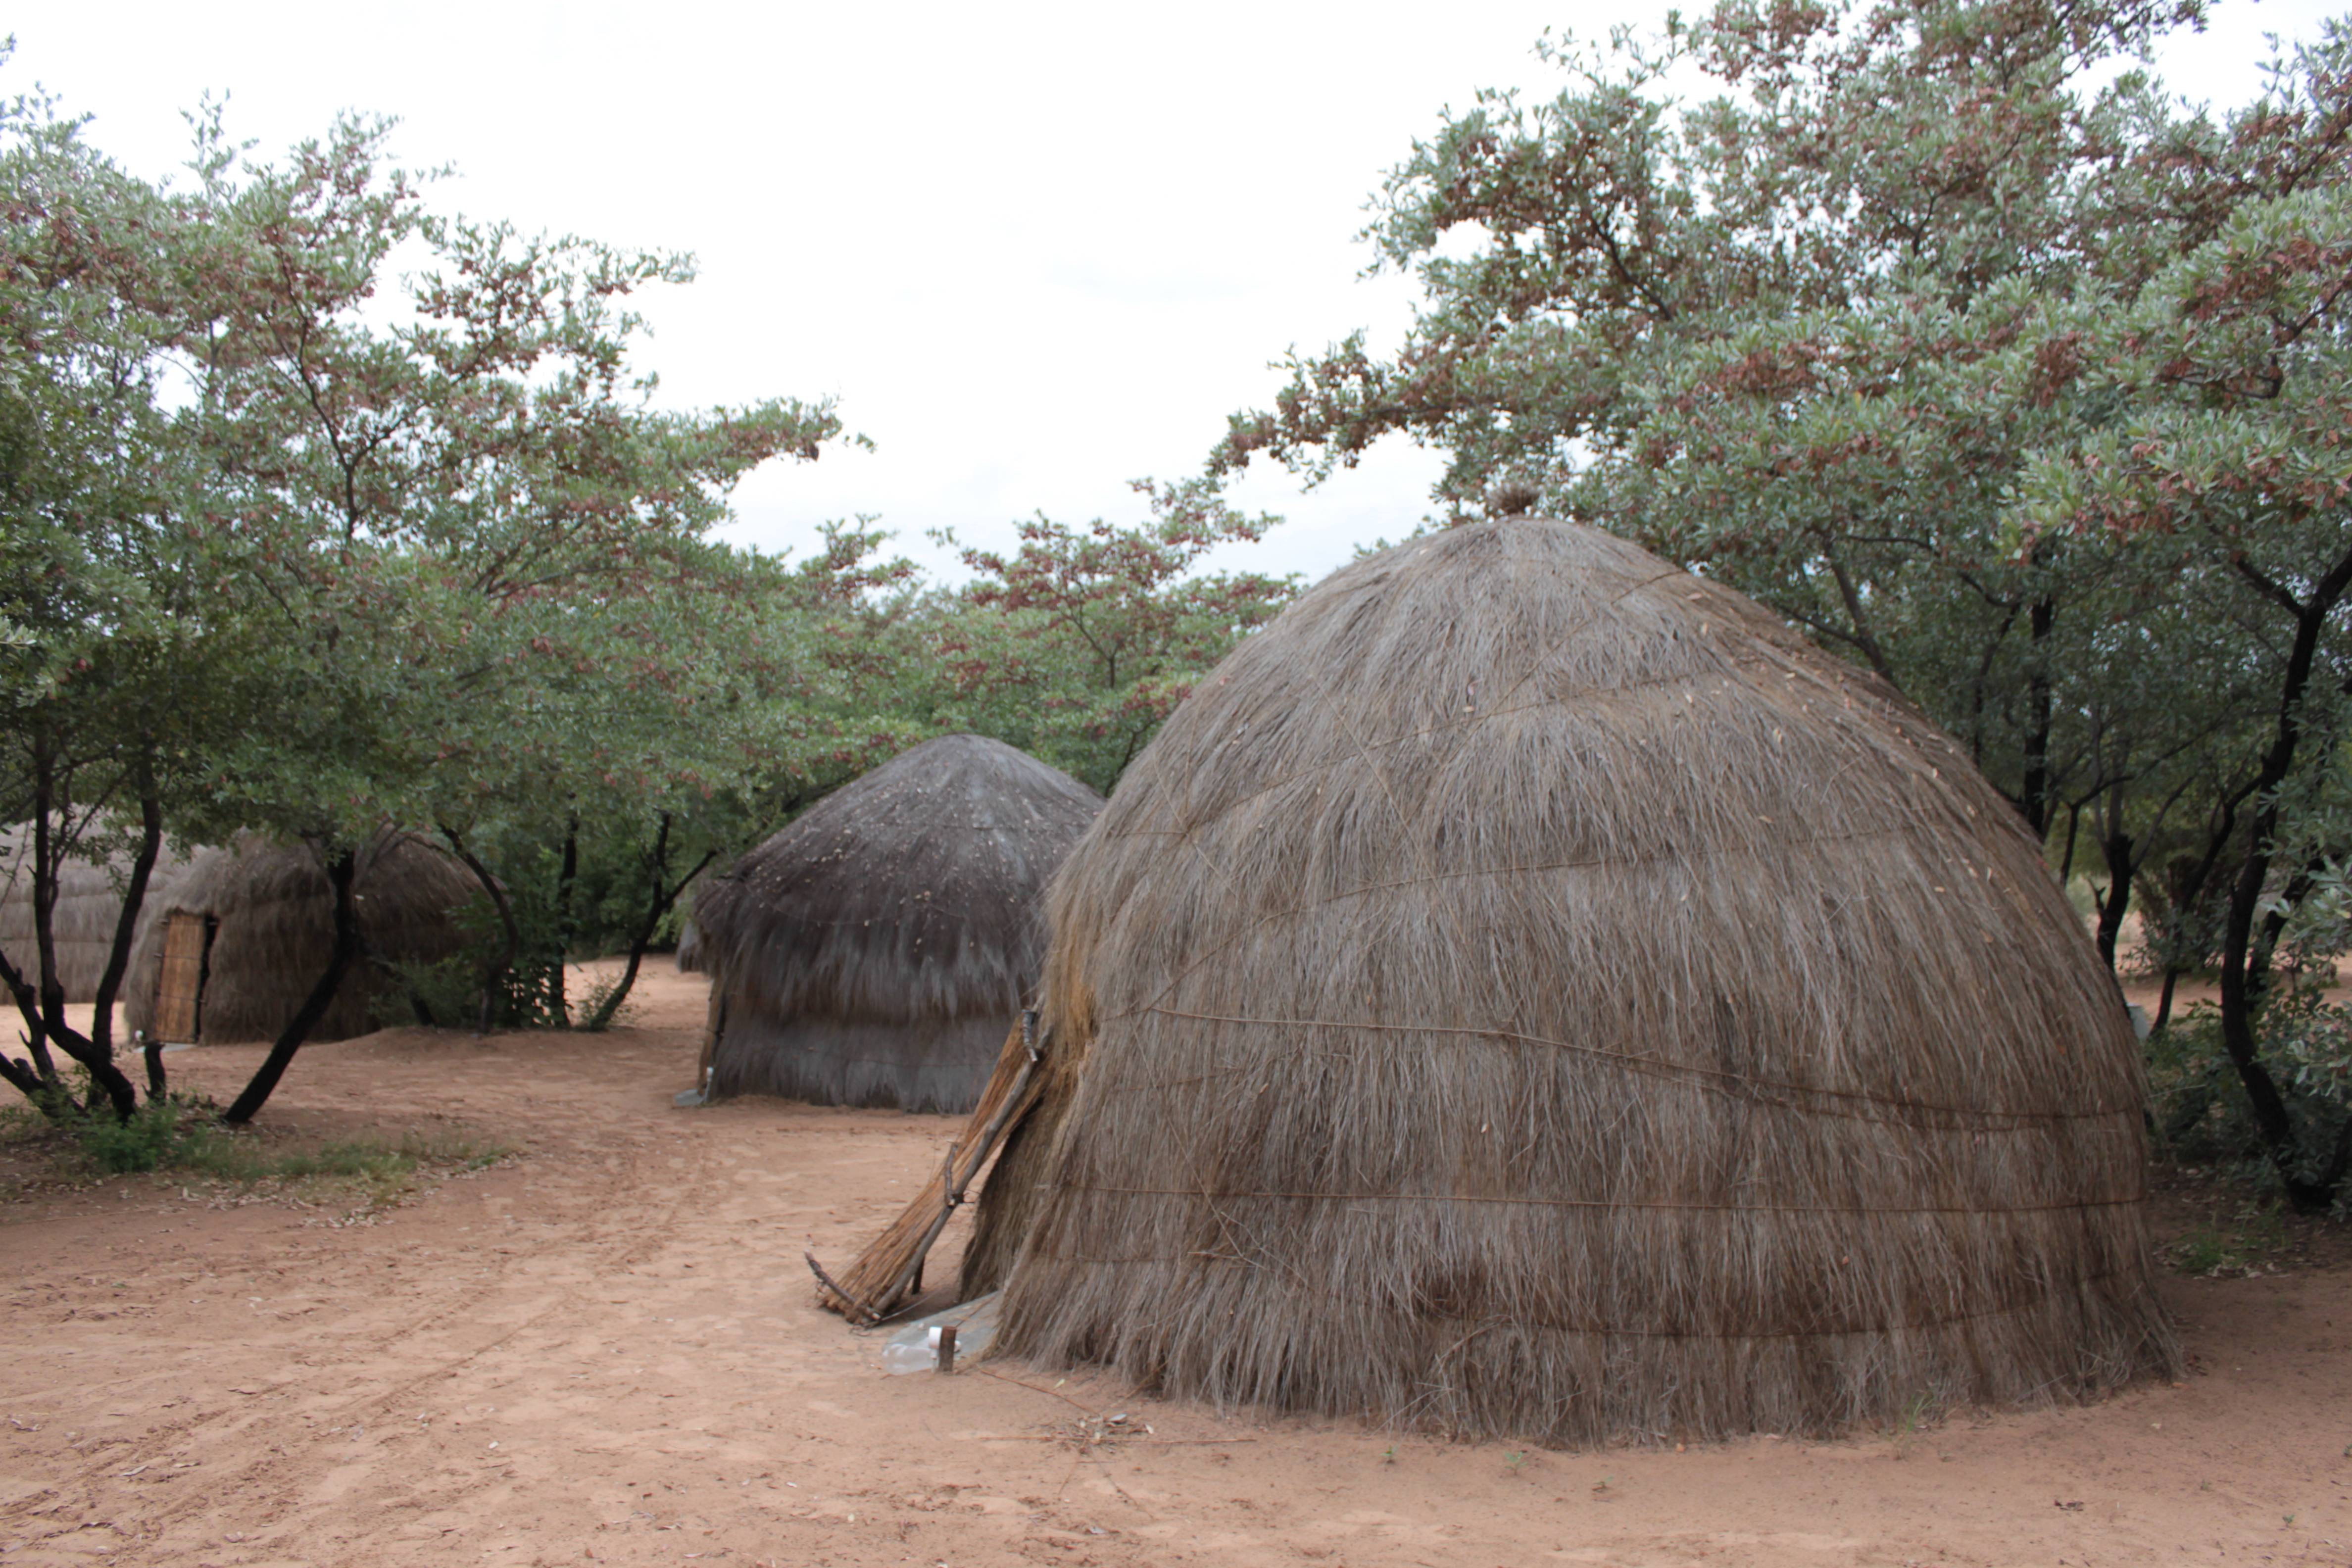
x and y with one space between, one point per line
88 907
1527 991
267 914
877 950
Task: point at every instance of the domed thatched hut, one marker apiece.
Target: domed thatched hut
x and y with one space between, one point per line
877 950
266 915
89 906
1527 991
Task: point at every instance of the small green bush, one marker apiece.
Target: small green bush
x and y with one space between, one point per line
185 1136
446 993
167 1132
2197 1103
588 1012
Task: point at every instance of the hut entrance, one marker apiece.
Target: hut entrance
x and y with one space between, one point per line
180 979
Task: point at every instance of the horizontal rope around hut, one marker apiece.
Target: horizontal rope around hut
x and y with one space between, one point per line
1221 1197
1292 911
2006 1309
1703 1077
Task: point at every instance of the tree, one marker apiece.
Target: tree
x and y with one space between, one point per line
1077 645
109 671
608 756
1941 329
384 526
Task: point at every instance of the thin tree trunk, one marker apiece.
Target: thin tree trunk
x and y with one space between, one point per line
2240 986
2034 793
52 805
126 924
342 871
2116 847
564 925
664 896
503 965
44 894
2164 999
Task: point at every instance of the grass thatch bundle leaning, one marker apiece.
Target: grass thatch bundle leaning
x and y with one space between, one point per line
1527 991
877 950
82 923
272 916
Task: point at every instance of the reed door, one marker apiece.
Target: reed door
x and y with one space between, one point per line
180 983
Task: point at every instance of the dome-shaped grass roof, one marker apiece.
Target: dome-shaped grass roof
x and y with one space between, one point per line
272 913
83 920
876 950
1527 991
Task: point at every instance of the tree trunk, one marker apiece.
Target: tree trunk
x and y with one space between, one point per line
342 871
564 925
46 1017
2033 791
2240 981
495 977
2164 1000
2116 903
664 896
126 925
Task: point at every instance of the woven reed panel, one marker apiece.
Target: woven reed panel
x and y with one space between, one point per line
180 981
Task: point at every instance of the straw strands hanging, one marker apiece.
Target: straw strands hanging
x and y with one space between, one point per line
878 950
1527 992
82 922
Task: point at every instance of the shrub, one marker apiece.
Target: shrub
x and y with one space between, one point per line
2199 1100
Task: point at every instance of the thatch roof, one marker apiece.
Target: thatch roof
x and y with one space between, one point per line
875 951
1527 991
275 911
90 903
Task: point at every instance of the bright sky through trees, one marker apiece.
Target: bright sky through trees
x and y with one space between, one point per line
1035 250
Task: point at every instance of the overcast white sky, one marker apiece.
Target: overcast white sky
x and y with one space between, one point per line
1035 250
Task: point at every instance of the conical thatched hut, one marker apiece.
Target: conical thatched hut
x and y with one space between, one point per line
877 950
268 927
1527 991
89 906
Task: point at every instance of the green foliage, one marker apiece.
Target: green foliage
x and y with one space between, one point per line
1080 644
294 541
160 1133
2242 1246
443 994
605 1005
185 1137
295 544
2199 1102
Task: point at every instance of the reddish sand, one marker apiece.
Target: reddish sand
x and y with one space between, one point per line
604 1350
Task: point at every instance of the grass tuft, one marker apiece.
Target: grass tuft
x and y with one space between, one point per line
185 1138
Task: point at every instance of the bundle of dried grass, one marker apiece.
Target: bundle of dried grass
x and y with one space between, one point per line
273 914
1526 991
890 1272
877 950
88 907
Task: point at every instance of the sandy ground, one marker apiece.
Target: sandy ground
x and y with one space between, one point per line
604 1351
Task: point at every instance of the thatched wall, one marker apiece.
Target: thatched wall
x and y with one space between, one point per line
876 950
1526 991
276 915
90 903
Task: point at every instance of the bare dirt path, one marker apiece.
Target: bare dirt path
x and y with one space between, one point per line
604 1350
